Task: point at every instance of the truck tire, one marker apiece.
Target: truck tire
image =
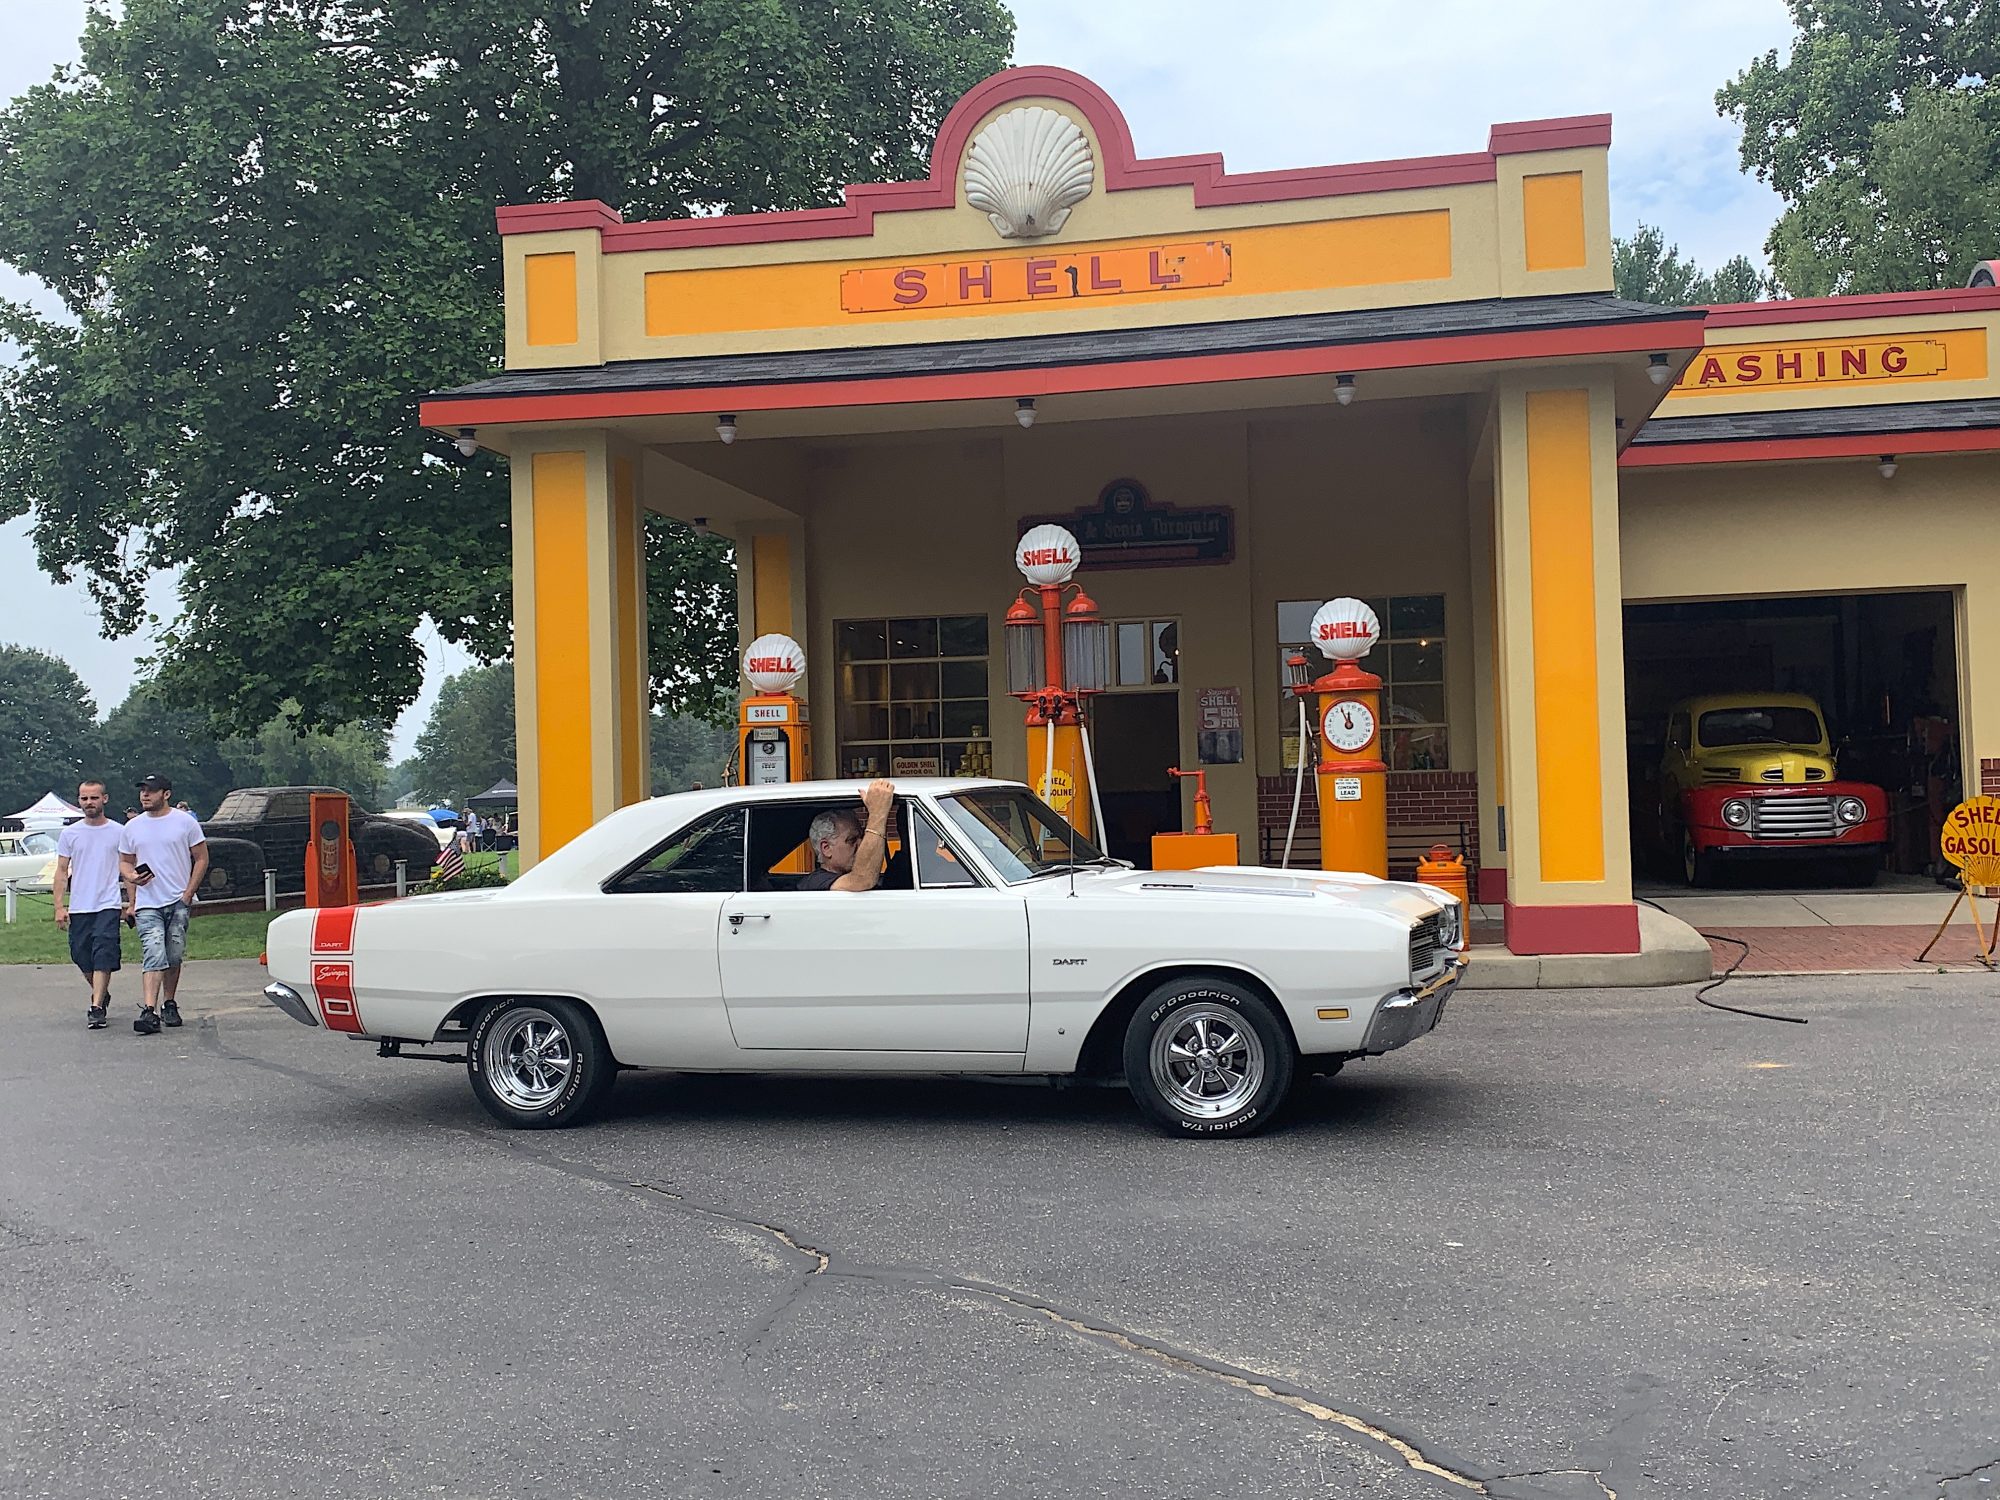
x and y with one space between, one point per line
1697 868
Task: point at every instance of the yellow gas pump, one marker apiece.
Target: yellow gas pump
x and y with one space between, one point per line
773 736
1353 797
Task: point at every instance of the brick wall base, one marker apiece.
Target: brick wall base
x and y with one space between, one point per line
1416 798
1989 779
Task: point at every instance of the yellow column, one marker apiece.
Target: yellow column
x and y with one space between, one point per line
579 636
1561 666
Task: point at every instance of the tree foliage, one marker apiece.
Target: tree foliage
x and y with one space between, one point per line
48 728
468 742
1645 268
283 752
150 731
1881 132
270 223
686 751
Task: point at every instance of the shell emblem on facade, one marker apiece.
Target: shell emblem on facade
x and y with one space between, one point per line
1027 169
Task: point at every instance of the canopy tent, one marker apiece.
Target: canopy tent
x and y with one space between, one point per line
49 812
501 794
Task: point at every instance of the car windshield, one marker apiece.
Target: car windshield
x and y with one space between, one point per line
1760 726
1020 835
38 843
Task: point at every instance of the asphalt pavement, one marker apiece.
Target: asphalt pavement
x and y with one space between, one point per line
1575 1244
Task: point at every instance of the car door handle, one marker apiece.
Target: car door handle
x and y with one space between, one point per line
738 918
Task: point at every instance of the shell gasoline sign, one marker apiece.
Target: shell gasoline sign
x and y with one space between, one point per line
1971 839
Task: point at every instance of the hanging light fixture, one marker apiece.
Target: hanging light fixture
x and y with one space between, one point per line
1658 370
1024 650
1888 466
467 442
1024 411
1343 389
725 427
1086 646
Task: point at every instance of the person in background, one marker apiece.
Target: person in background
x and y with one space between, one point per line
90 896
165 855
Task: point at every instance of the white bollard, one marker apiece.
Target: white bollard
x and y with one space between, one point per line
270 890
402 878
10 901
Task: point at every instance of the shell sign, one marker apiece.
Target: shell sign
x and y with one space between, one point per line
773 663
1047 555
1345 629
1970 839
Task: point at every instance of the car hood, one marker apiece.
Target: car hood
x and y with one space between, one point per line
1400 899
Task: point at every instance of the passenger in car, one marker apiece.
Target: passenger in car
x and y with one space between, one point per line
850 847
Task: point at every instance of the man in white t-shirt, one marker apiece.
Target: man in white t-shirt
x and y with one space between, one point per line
164 855
90 896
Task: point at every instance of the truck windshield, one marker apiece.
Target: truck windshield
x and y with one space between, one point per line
1760 726
1020 835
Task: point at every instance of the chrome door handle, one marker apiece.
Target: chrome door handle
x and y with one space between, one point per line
738 918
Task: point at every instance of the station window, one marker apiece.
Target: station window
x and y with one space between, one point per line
1409 658
913 696
1145 653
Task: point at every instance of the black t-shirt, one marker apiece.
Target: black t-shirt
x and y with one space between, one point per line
819 880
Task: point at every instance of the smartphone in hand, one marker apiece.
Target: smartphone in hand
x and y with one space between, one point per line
142 873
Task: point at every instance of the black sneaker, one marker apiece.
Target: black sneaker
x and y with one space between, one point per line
146 1023
97 1017
171 1013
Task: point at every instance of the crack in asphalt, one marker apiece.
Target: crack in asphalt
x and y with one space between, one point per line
1596 1477
1259 1384
1992 1463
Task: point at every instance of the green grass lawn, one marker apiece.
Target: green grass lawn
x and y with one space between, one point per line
34 937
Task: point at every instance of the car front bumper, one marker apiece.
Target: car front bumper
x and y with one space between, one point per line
291 1002
1410 1013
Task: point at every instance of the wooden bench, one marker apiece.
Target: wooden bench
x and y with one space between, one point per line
1408 843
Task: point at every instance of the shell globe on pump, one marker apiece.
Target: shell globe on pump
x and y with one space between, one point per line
774 739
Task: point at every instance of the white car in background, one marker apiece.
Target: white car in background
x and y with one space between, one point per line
671 935
442 833
29 860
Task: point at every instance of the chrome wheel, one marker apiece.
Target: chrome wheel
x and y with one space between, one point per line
528 1058
1206 1061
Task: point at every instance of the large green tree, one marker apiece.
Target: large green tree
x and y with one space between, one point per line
270 224
1881 132
468 742
1645 268
151 731
48 728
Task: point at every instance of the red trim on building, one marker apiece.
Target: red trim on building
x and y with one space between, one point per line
1121 169
1490 889
1199 369
1839 309
1847 445
1610 928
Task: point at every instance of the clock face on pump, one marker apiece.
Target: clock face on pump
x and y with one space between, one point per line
1349 725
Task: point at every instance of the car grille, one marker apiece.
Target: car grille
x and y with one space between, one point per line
1428 950
1792 818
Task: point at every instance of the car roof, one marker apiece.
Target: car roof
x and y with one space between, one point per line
1709 701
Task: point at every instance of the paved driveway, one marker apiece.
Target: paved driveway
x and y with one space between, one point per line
1576 1244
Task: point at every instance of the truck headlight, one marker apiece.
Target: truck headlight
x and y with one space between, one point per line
1850 810
1736 813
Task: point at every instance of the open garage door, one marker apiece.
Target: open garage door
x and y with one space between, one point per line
1883 671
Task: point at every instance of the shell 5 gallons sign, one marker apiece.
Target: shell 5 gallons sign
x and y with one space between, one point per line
1971 839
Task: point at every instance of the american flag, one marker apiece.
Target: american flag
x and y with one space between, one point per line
451 862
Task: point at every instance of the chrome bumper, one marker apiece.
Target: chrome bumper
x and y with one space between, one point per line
291 1002
1409 1014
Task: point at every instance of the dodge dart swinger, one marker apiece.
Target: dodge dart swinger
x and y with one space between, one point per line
673 935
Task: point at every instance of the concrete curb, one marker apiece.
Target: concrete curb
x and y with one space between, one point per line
1670 952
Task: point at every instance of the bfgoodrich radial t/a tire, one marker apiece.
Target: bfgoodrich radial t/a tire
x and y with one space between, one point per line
1206 1057
539 1064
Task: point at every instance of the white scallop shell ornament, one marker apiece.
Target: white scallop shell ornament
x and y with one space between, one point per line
773 663
1027 169
1047 554
1345 629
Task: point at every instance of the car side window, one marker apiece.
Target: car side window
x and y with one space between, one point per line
938 865
706 857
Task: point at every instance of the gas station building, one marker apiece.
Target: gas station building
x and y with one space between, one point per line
1245 394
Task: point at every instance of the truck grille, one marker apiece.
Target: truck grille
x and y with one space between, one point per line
1792 818
1428 952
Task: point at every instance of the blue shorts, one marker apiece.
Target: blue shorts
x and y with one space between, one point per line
93 941
163 935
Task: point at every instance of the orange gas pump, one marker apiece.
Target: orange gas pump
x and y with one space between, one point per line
1353 798
773 735
330 879
1191 851
1057 656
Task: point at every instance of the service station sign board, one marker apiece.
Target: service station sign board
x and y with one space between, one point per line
1970 839
1953 354
1127 530
1113 271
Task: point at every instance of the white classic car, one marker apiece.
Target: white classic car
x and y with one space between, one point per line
28 860
671 935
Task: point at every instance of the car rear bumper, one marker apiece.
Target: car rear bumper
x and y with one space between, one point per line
1411 1013
291 1002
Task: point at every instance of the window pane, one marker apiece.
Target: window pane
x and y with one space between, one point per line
964 719
859 721
913 681
913 638
1416 614
1425 748
860 640
1416 705
705 858
1134 667
964 679
1166 652
962 635
1295 620
913 721
936 865
868 683
1416 661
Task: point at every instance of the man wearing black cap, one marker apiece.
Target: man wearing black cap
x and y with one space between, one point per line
164 855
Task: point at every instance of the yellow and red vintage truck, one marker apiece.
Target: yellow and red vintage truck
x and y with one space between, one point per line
1751 776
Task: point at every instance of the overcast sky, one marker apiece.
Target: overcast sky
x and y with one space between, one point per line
1286 83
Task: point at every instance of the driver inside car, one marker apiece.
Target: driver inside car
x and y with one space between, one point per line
850 848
